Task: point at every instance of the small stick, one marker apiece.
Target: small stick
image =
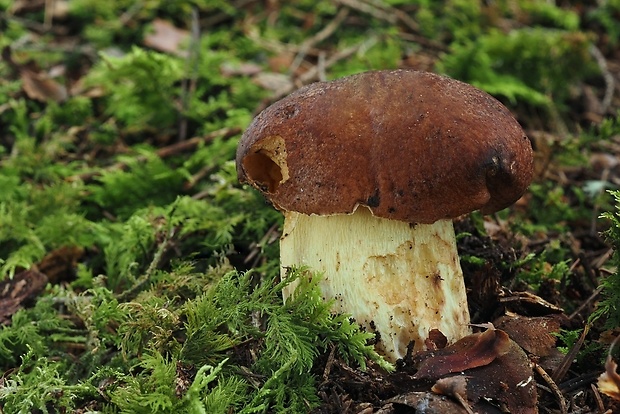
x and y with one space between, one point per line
313 73
599 400
191 70
554 388
144 279
323 34
329 364
607 76
581 307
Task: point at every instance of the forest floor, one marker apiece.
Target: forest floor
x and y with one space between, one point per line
136 271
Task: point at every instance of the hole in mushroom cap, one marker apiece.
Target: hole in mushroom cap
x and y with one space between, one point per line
265 164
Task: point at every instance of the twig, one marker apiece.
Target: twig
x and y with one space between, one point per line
312 74
554 388
164 152
578 382
597 397
143 280
379 10
581 307
130 13
329 364
48 14
323 34
371 9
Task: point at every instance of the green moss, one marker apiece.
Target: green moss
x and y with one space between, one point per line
525 65
609 307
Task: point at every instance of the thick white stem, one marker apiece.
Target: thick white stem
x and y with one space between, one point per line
397 279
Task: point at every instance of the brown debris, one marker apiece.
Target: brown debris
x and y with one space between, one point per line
167 38
455 387
37 84
527 303
428 403
60 264
14 292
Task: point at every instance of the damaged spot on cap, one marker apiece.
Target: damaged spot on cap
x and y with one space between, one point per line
374 200
265 164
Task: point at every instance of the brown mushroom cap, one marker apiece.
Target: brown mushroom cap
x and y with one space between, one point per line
412 146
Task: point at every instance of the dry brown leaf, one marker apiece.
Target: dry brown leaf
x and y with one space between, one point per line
534 334
167 38
13 292
470 352
509 379
40 87
482 367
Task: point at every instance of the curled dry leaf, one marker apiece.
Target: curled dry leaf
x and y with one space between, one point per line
428 403
436 340
455 387
609 381
483 367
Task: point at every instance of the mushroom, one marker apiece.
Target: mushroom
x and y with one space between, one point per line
369 171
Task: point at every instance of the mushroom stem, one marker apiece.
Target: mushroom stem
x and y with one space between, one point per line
397 279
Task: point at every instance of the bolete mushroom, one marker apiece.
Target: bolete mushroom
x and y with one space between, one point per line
369 171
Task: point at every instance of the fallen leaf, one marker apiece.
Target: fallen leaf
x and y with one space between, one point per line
482 368
36 84
40 87
13 292
509 380
534 334
470 352
240 69
167 38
